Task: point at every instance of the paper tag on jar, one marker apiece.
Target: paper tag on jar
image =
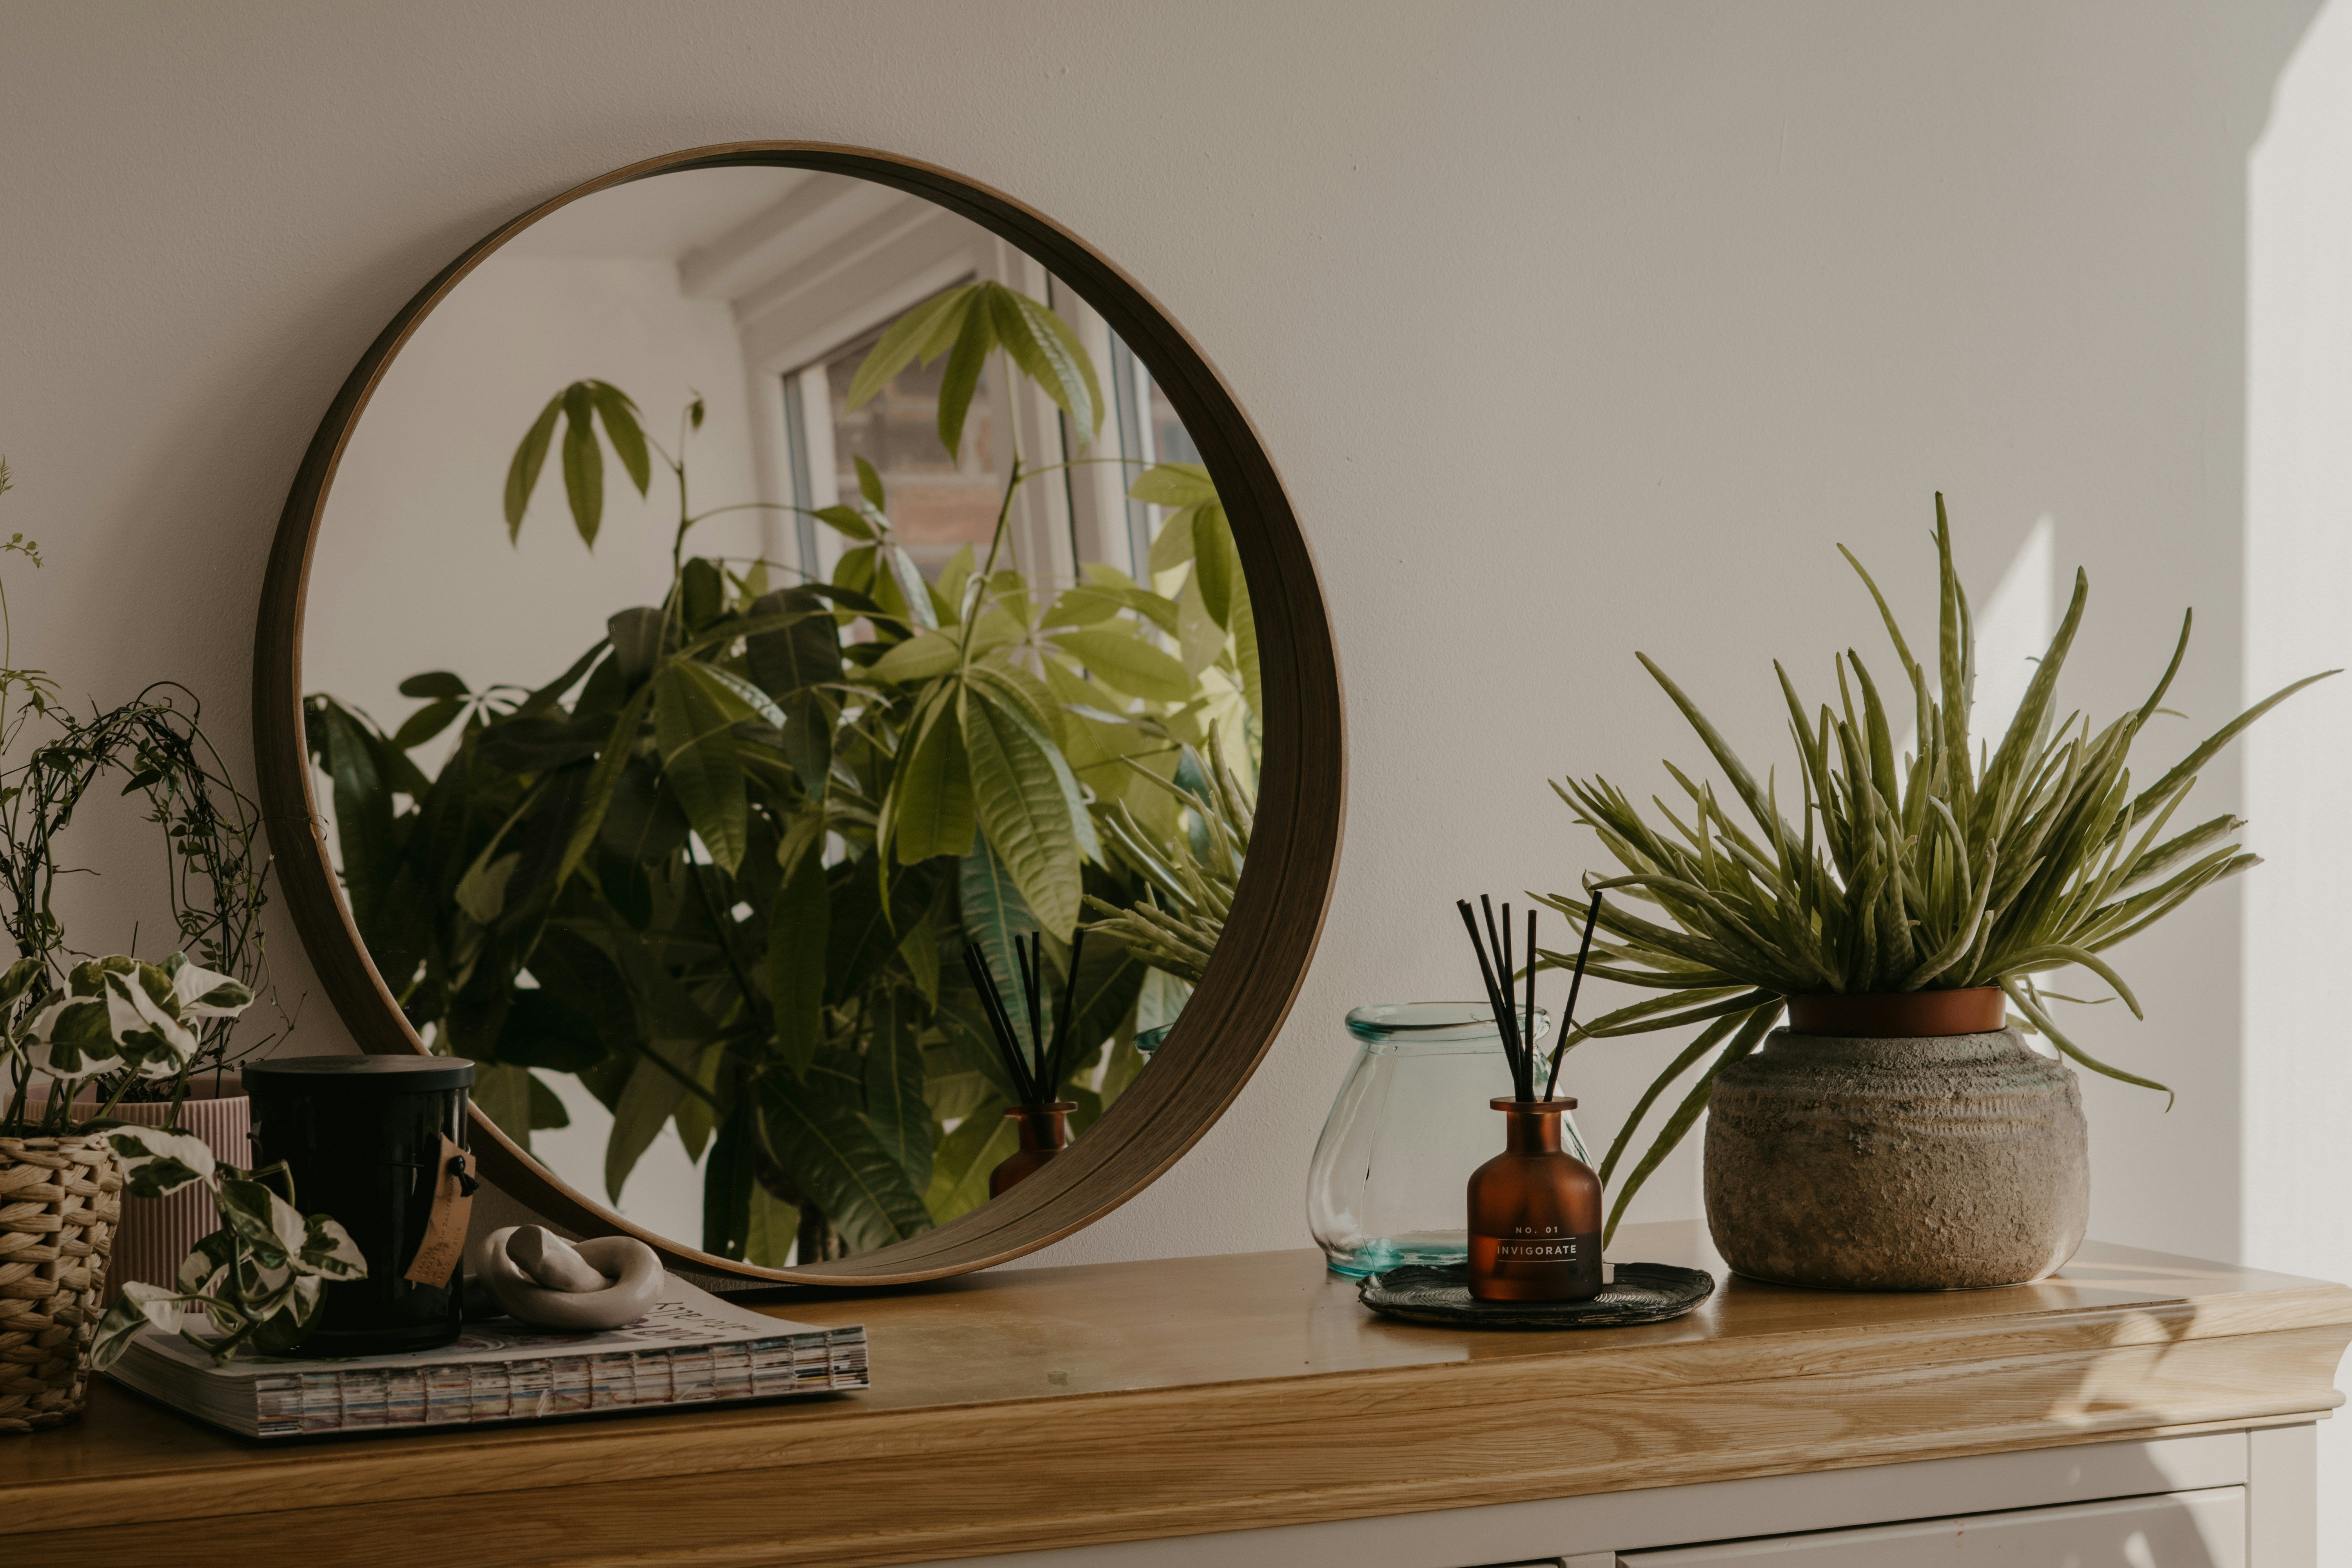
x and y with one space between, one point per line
445 1230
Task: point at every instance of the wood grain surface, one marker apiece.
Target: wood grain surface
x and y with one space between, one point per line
1278 908
1055 1406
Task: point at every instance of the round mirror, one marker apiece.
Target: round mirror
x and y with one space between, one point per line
797 668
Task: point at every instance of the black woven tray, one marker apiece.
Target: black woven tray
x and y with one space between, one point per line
1641 1293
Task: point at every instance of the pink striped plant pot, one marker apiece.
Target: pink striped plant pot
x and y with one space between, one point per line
156 1233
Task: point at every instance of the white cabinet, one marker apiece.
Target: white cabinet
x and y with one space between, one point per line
2176 1530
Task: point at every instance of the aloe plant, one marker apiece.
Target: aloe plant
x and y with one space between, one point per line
1940 869
712 868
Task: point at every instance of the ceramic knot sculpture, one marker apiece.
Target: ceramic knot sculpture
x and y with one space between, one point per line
537 1275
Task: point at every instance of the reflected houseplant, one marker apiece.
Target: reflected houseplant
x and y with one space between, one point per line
720 870
1897 1135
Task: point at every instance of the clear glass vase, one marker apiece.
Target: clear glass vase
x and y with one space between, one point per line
1414 1117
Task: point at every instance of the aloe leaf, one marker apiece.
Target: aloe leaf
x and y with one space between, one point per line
1712 1036
1758 1023
2041 1019
2194 762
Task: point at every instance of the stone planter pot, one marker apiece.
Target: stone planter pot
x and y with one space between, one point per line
1908 1158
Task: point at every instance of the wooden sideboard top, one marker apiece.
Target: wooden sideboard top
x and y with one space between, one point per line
1030 1407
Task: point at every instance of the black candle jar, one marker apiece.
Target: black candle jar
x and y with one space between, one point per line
362 1136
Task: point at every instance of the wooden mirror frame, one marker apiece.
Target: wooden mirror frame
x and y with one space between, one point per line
1232 1019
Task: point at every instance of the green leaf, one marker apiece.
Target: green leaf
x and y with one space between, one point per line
798 939
541 1030
1022 805
157 1161
438 683
1025 698
1092 603
847 519
929 809
522 474
864 931
962 377
911 335
502 1093
804 654
583 463
829 1153
1173 546
1244 623
894 1107
994 912
1215 562
1050 354
695 742
1128 664
924 657
869 485
140 1307
648 1100
428 721
621 429
1173 485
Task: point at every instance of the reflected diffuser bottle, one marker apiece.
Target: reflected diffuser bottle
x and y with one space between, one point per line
1535 1212
1045 1132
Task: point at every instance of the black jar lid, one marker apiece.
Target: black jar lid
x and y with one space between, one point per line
369 1075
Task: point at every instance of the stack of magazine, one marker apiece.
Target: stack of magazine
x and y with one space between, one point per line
692 1349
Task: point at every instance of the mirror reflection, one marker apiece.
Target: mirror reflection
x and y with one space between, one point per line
784 698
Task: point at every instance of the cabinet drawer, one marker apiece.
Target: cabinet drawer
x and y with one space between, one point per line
2174 1529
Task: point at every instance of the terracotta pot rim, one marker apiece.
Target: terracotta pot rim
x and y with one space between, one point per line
1061 1105
1901 1015
1534 1106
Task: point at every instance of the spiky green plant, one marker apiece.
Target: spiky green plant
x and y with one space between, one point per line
1191 878
1933 871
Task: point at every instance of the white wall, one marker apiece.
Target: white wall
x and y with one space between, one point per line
2298 1076
1574 329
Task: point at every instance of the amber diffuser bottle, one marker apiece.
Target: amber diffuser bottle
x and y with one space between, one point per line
1535 1212
1045 1132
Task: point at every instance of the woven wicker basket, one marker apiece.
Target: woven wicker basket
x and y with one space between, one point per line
60 1199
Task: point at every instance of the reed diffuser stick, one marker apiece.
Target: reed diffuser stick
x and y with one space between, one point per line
1498 998
1575 984
1037 1068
